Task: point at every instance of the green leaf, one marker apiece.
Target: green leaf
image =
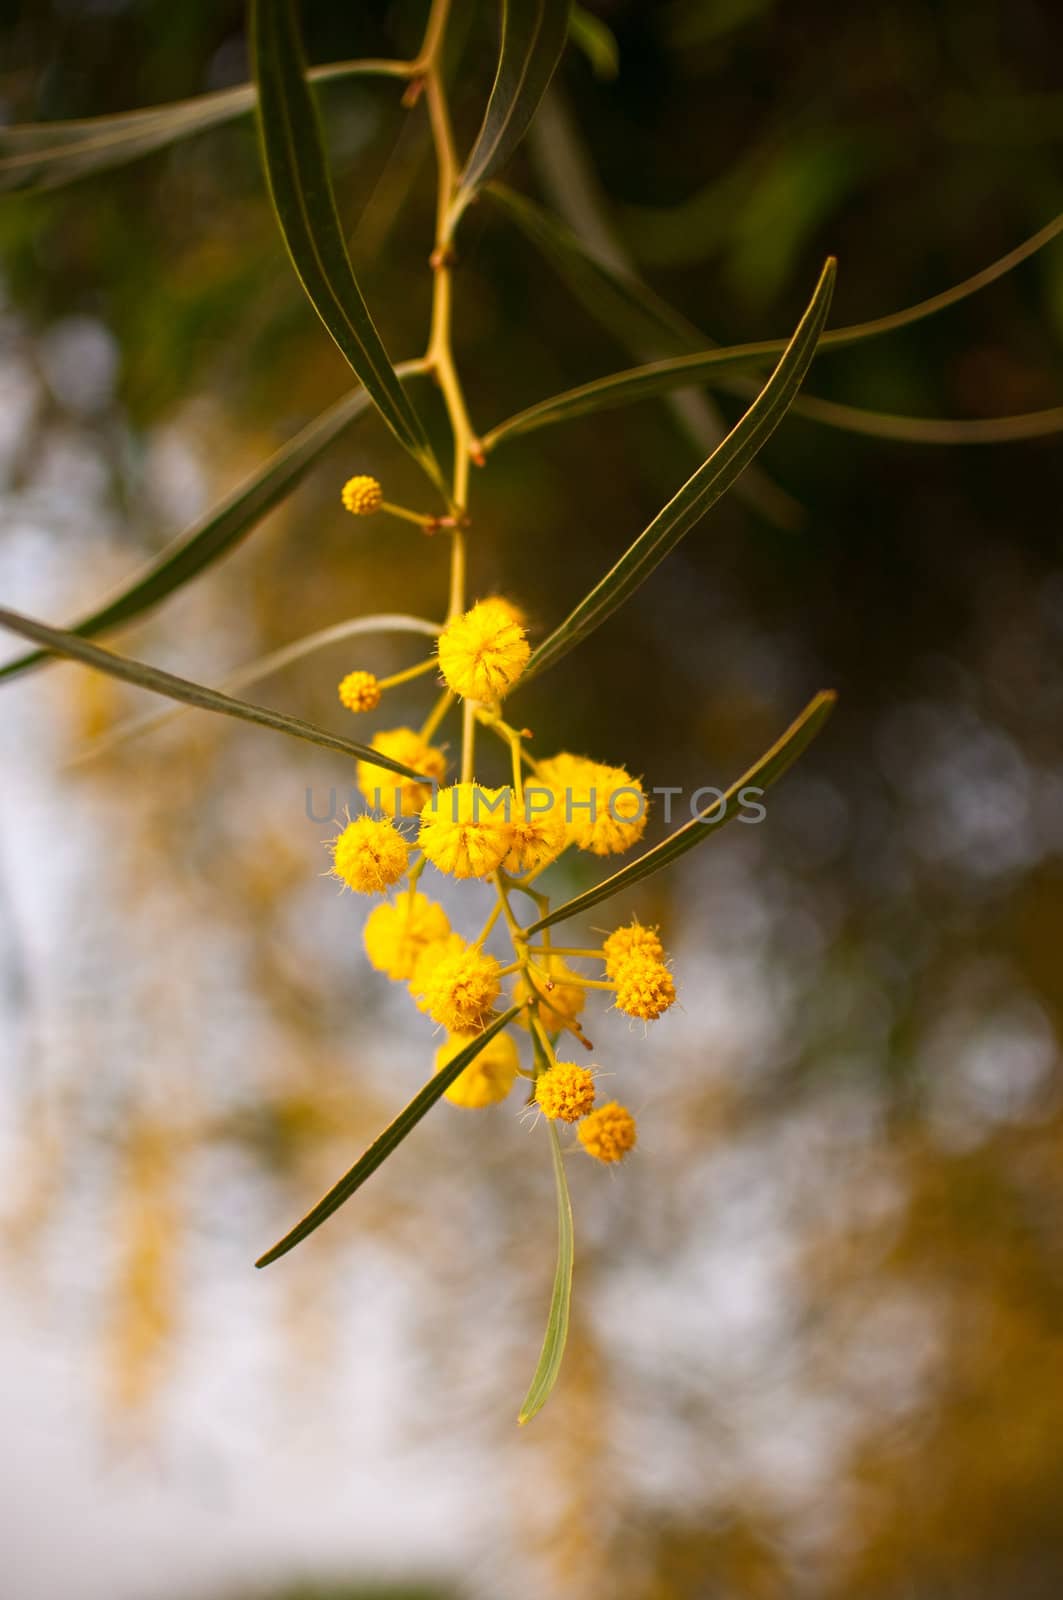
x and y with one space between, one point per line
557 1322
293 153
768 770
533 37
931 430
618 300
383 1145
263 667
633 311
566 169
192 694
45 155
635 383
701 491
664 377
597 41
193 551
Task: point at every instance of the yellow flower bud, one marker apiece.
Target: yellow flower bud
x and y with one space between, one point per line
359 691
362 496
565 1092
608 1133
644 986
624 941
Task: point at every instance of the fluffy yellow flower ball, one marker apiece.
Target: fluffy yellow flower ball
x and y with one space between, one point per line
644 986
369 855
397 933
604 808
483 652
388 791
461 988
536 838
466 830
569 778
488 1078
624 941
565 1092
428 958
562 1002
608 1133
362 495
360 691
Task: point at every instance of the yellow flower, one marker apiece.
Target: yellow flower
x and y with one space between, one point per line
507 609
604 808
644 986
388 791
397 932
488 1078
461 988
619 818
483 652
428 958
362 496
369 855
536 837
623 941
563 999
565 1092
569 778
360 691
466 830
608 1133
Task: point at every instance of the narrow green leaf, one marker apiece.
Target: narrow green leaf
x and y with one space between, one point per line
597 41
383 1145
701 491
633 311
768 770
664 377
192 694
931 430
618 300
533 37
566 169
635 383
557 1322
293 153
263 667
193 551
45 155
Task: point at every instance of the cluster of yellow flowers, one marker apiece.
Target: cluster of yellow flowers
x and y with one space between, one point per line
508 835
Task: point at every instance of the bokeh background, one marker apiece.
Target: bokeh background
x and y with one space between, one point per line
819 1319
